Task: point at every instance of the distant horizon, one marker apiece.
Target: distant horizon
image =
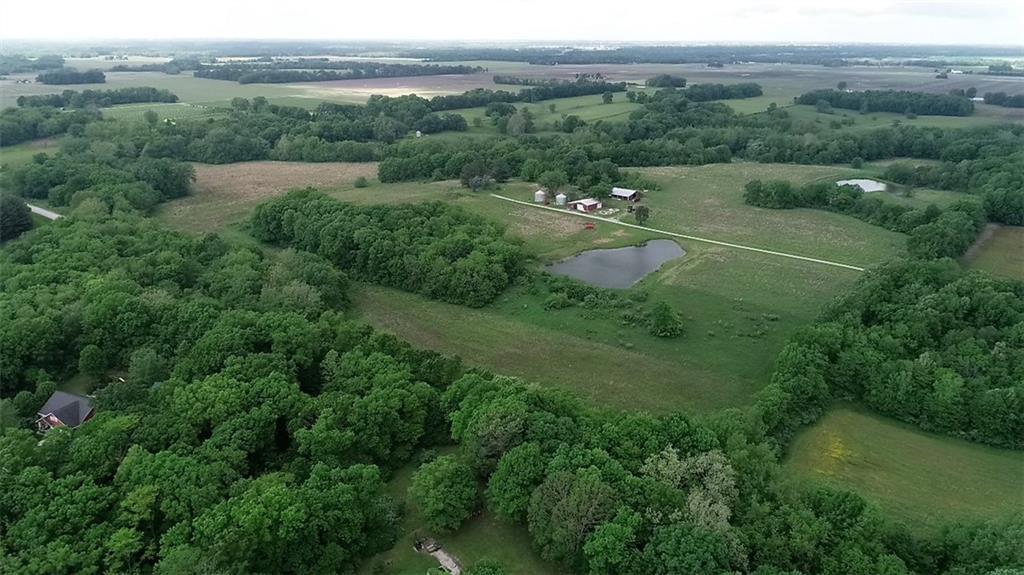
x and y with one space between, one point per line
757 22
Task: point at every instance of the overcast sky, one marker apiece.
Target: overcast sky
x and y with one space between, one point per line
834 21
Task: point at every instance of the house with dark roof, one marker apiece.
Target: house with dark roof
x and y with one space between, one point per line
64 410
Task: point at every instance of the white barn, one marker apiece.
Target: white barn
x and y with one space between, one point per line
625 194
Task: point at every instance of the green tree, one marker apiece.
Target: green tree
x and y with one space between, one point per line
519 472
642 213
15 217
445 489
662 321
607 98
841 85
151 117
92 361
552 180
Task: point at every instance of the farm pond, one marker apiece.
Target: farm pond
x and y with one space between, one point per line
618 268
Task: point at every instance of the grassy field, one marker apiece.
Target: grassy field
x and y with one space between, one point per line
1002 253
922 478
481 537
22 153
739 306
226 194
983 116
163 110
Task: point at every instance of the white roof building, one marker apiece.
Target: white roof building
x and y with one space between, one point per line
625 194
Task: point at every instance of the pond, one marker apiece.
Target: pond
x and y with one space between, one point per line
618 268
864 184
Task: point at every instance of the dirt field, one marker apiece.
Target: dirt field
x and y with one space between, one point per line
226 194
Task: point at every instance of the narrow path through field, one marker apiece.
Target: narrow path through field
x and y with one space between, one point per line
44 212
684 236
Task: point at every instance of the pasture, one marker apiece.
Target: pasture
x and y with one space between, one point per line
921 478
739 307
1000 251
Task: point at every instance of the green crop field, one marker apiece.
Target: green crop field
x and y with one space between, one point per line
1002 253
922 478
480 537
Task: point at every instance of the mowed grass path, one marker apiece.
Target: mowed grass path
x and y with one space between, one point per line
922 478
1002 254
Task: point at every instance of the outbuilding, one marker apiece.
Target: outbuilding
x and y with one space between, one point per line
540 197
585 205
625 194
64 410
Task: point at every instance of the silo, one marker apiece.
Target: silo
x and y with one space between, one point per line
560 199
539 197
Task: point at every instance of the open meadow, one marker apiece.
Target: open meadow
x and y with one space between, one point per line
739 307
1000 251
920 478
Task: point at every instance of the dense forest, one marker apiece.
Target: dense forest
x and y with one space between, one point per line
98 98
71 76
901 102
923 341
434 249
248 401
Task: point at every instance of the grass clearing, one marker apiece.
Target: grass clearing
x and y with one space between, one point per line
922 478
173 111
1001 254
984 116
226 194
20 154
480 537
708 201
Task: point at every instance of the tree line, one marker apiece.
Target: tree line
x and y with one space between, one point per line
98 98
19 63
933 232
1002 99
284 71
579 77
997 177
899 101
19 125
923 341
71 76
433 249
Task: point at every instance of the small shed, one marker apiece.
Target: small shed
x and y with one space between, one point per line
539 197
560 199
64 410
625 194
586 205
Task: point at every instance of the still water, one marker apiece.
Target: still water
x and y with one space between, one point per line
618 268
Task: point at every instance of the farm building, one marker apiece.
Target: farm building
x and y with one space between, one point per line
585 205
64 410
625 194
539 197
560 199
